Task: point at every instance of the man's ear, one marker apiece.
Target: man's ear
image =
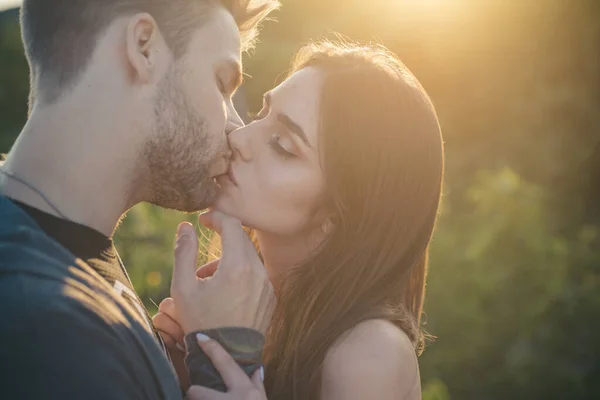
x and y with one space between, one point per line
146 50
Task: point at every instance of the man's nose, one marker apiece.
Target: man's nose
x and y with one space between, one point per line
233 119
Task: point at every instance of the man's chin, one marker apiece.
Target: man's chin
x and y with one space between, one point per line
208 198
197 199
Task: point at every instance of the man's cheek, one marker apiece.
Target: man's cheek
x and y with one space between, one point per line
214 115
218 115
210 103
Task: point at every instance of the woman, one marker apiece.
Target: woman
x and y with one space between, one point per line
339 177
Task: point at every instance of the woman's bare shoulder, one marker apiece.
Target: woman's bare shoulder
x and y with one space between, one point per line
375 359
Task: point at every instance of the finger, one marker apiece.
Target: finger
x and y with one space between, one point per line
236 245
165 323
172 345
230 229
186 254
217 221
203 393
206 219
167 306
257 380
237 248
208 270
169 340
231 373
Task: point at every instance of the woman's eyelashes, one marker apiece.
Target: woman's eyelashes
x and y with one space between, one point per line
275 139
275 144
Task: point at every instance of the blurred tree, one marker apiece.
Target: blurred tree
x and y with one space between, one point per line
500 303
435 390
14 80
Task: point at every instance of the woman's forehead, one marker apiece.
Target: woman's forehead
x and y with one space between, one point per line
298 97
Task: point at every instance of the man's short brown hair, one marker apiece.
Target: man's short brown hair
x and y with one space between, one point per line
59 36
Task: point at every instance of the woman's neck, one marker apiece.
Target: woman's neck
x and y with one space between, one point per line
283 253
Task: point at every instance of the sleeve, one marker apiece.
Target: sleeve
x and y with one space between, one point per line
245 345
62 352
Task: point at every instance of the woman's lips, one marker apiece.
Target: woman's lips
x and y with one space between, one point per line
231 175
227 177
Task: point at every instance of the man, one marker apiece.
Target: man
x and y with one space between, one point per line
130 102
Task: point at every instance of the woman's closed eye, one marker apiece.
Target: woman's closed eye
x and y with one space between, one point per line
280 144
281 147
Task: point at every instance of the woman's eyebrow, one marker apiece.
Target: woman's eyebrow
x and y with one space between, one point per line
288 123
294 128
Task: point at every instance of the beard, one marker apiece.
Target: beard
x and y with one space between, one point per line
178 154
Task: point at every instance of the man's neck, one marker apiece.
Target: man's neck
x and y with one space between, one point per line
69 158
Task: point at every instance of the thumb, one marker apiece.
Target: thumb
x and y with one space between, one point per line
186 255
257 380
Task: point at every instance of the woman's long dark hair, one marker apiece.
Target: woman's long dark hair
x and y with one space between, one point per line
383 164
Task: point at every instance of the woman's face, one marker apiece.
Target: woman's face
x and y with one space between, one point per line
276 183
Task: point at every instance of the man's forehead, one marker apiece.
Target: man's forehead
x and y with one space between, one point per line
219 36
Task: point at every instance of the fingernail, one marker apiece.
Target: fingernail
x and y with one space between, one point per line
262 374
180 346
182 230
202 337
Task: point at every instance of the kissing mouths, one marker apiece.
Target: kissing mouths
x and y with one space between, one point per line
226 178
231 175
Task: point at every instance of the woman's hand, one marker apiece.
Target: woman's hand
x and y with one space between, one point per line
239 386
232 291
166 323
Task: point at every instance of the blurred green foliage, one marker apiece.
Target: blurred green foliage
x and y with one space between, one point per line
514 284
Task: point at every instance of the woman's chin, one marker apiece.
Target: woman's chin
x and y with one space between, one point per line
221 205
225 205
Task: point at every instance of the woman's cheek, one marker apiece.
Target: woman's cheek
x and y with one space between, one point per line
301 190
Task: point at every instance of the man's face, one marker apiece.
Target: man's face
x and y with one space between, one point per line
193 114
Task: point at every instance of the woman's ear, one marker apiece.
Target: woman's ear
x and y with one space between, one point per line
327 226
328 214
146 50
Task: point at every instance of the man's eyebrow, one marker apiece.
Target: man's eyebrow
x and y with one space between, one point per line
287 122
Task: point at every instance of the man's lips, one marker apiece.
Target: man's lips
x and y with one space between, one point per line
227 176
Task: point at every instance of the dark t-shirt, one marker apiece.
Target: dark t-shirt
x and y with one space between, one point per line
97 250
66 331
